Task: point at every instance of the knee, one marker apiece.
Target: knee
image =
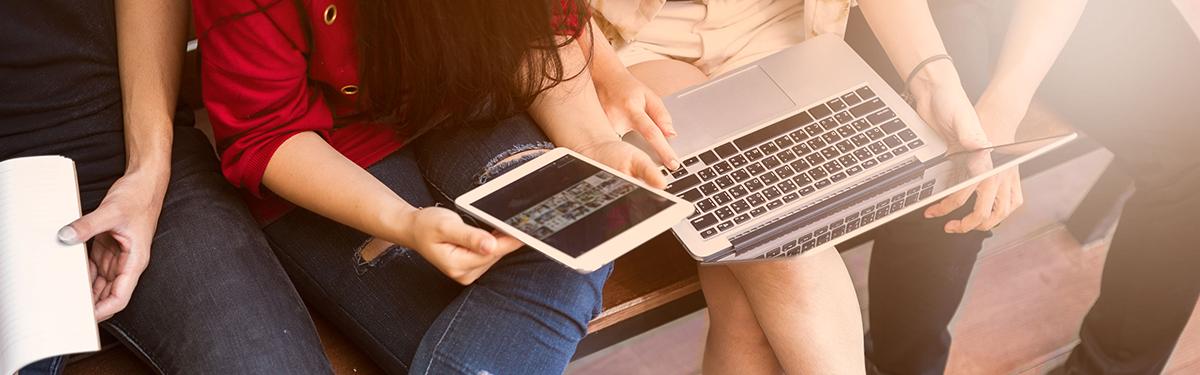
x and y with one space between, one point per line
511 158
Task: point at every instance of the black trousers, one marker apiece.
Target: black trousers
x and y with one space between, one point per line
1129 79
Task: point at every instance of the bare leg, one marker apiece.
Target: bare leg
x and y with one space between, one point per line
736 343
809 312
801 314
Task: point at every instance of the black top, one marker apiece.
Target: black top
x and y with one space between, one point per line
60 92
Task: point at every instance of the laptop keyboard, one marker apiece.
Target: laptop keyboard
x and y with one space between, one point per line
760 172
851 222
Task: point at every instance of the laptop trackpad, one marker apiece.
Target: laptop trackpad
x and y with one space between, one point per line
723 107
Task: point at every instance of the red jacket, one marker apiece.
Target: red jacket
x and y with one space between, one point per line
264 81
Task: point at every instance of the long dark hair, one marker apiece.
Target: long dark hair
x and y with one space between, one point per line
422 63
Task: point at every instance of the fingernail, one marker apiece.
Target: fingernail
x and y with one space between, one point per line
67 236
675 164
487 244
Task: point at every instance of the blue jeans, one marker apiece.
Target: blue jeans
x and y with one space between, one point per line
214 300
524 316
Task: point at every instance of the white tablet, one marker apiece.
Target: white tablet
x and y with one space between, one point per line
575 210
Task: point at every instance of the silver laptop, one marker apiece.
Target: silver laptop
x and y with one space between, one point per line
779 154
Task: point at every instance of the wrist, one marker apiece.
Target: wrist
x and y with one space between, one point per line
936 75
397 220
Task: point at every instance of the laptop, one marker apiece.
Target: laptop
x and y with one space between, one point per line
783 156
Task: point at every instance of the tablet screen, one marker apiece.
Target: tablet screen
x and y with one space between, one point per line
572 205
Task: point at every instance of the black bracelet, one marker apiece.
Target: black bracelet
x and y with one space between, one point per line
907 95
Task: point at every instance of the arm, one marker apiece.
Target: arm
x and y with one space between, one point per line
1037 33
571 116
150 39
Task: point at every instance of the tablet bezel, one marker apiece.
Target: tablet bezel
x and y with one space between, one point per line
606 251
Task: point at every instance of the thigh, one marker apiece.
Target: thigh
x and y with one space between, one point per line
665 77
385 304
214 299
456 158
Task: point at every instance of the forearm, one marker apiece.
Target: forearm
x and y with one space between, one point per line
1037 33
150 47
308 172
570 113
906 30
603 57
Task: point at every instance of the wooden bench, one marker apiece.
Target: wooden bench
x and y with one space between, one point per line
652 285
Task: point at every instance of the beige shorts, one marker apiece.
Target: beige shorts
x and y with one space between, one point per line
719 36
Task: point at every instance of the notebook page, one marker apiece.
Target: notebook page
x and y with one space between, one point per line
45 294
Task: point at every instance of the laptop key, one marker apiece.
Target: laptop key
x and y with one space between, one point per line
878 147
709 188
768 148
790 197
724 213
832 166
787 186
899 150
708 233
756 199
785 172
854 170
679 173
771 193
817 173
708 157
815 159
915 144
802 179
784 142
740 206
893 141
724 182
865 92
831 137
860 125
875 134
738 161
884 157
798 136
768 178
851 98
843 117
836 177
723 167
821 184
725 226
892 126
722 198
846 131
866 107
773 131
844 146
836 105
753 154
771 162
807 190
738 191
706 205
755 169
908 135
828 124
741 218
726 150
800 165
707 174
691 161
863 153
704 221
881 116
754 185
758 211
739 175
678 186
848 159
786 156
692 195
820 111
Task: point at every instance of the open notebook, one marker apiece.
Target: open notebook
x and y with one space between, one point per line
45 294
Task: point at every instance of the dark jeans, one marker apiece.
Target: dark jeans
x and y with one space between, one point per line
214 300
1127 79
523 316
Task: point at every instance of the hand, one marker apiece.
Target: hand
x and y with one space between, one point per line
121 230
630 105
626 159
945 106
461 251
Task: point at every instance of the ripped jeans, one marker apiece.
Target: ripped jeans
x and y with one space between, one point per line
524 316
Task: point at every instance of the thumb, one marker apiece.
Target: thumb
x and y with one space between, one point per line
99 221
970 133
471 238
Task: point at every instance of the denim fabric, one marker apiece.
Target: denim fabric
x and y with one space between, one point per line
524 316
213 300
1126 79
48 366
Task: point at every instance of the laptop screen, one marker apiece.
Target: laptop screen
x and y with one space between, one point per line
884 198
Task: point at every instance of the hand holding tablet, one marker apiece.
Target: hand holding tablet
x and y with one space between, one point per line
576 211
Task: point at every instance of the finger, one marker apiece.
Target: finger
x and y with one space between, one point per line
505 244
654 136
658 111
645 170
101 220
468 237
1002 207
950 203
985 198
1018 193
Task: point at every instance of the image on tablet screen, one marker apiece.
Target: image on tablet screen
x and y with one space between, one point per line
572 205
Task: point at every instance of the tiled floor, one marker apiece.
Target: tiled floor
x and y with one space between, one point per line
1029 292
